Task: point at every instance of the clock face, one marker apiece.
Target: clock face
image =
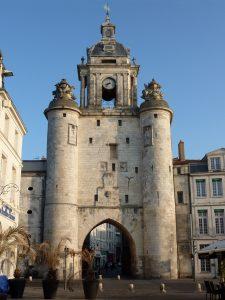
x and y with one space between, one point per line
109 83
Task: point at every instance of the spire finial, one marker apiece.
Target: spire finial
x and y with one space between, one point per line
107 10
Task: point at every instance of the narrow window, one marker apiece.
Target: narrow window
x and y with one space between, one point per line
203 221
96 197
217 187
205 262
126 198
148 135
178 170
98 122
128 140
136 170
6 129
180 197
16 140
3 169
120 122
113 167
155 116
219 221
201 187
72 134
64 115
90 140
113 151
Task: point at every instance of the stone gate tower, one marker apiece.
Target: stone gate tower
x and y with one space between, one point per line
110 161
160 246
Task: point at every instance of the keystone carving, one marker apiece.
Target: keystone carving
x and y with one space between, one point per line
63 91
152 91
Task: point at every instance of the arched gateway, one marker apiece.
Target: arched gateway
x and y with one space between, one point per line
112 163
128 248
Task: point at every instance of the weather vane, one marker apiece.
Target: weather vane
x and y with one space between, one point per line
106 9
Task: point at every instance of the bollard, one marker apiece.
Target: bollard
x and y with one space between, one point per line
100 286
199 287
162 288
118 277
100 277
131 287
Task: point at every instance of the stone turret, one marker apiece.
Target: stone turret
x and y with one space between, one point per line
160 248
60 215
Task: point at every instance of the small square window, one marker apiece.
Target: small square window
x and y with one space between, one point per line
98 122
120 122
64 115
155 116
113 167
128 140
96 197
136 170
90 140
126 198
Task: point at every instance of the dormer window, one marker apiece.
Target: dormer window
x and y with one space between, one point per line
215 163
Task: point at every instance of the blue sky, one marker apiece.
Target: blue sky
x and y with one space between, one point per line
181 43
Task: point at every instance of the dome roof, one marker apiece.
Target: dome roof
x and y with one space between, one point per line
98 50
154 104
62 103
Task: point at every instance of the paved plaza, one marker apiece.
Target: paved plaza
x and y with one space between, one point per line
118 289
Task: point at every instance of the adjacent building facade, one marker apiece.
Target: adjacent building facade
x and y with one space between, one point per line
12 130
200 204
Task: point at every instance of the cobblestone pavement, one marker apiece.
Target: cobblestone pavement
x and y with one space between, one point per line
118 289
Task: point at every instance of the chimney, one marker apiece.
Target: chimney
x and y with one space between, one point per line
181 150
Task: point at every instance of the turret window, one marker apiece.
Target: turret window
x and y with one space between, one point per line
90 140
98 122
155 116
120 122
128 140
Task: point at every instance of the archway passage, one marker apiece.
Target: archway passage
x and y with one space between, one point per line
115 252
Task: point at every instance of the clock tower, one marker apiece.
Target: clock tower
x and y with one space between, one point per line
108 78
110 161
